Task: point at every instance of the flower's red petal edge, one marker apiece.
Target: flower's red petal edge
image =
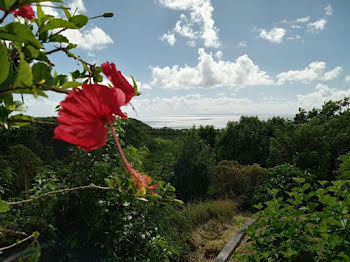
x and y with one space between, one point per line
118 80
83 116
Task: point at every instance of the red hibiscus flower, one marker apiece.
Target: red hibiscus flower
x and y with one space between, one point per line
25 11
84 114
118 81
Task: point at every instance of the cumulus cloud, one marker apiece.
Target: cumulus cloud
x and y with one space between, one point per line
317 26
89 39
347 78
314 71
328 10
199 24
169 37
320 95
275 35
209 73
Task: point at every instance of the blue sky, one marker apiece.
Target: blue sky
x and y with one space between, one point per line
218 57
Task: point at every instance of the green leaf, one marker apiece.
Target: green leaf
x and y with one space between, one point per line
22 120
4 206
5 64
30 51
19 32
40 14
24 76
42 71
58 38
135 86
58 23
9 80
70 84
79 20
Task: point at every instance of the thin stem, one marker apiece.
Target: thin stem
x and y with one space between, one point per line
126 163
92 186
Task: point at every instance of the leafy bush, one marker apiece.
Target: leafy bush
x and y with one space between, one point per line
238 182
282 178
192 167
310 226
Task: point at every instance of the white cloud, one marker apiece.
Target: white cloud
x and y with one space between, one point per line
200 15
89 39
275 35
303 19
209 73
295 37
347 78
242 44
315 71
169 37
322 94
328 10
77 5
318 25
219 55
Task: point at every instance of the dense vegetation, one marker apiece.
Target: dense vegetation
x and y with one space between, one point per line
277 162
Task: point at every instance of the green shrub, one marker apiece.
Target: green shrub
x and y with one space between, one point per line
310 226
237 182
282 178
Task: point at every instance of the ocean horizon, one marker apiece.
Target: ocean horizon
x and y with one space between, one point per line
188 121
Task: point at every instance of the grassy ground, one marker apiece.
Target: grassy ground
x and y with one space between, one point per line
214 223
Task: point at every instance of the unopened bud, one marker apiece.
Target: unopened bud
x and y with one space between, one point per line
108 15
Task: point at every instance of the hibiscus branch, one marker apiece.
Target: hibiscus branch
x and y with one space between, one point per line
74 189
65 190
17 243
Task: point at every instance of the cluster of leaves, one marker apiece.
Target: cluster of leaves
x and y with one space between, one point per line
307 226
26 67
282 178
119 224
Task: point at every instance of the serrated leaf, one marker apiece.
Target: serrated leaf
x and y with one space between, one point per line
19 32
24 76
5 64
79 20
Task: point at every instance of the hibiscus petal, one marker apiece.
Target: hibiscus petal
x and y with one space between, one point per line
118 81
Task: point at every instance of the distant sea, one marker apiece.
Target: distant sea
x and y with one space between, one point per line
188 121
